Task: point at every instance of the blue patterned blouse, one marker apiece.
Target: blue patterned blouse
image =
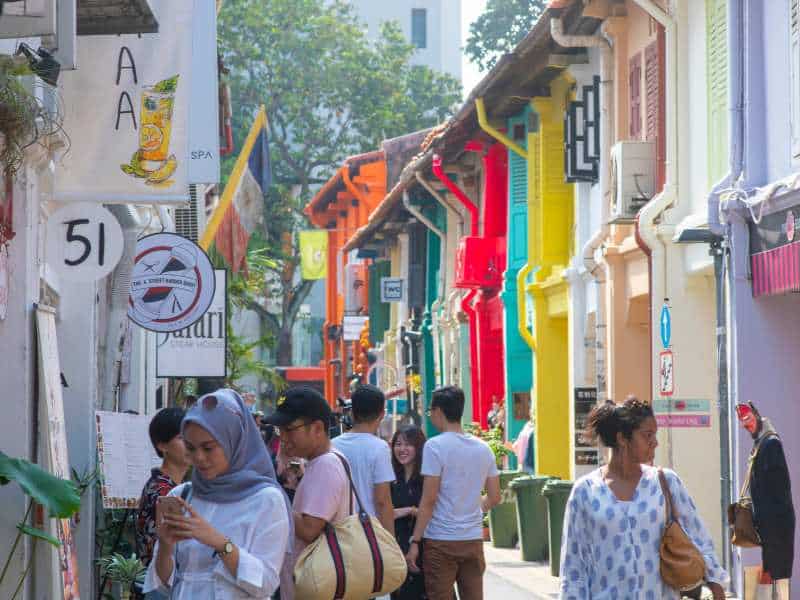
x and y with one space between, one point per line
610 548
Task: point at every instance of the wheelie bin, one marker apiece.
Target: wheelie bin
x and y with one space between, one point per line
503 517
531 516
557 493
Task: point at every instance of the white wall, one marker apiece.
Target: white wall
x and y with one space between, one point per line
443 52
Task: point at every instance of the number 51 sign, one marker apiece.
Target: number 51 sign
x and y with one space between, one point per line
84 241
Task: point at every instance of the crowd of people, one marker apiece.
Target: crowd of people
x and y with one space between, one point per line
261 490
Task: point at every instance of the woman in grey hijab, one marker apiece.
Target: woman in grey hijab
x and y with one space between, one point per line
226 534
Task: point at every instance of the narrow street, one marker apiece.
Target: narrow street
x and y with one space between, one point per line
510 578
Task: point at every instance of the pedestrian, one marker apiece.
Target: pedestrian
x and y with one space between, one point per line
323 494
369 456
456 468
167 441
407 449
771 493
616 515
224 535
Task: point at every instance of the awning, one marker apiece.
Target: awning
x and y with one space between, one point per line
775 252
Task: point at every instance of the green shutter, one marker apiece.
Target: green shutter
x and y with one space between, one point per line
379 313
517 165
717 82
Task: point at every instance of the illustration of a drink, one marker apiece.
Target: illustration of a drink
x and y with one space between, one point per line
152 160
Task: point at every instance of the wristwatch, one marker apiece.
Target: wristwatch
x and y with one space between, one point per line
226 549
411 540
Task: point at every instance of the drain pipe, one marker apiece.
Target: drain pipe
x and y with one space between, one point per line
466 302
603 41
646 229
437 304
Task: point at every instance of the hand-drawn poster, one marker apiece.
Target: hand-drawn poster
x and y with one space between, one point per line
50 378
129 137
125 455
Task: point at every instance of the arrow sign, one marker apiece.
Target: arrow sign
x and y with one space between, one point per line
666 326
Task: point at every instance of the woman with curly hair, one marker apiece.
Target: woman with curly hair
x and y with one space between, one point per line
616 515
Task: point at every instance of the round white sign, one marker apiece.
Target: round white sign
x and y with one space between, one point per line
172 283
84 241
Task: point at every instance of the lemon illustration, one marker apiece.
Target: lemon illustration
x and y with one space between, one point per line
164 172
134 167
151 137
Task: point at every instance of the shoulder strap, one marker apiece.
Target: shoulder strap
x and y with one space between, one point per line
670 507
752 461
353 490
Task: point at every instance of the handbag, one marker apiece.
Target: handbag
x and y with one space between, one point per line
740 513
682 565
353 559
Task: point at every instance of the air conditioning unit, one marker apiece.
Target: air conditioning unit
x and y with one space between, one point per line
633 179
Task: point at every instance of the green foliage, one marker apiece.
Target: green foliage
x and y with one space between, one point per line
60 497
500 28
120 569
493 437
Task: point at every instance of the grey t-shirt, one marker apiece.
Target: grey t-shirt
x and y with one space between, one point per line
463 462
370 461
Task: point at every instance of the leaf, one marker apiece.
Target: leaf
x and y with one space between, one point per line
39 534
59 496
167 86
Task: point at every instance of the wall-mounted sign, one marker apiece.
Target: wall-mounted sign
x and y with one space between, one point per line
775 252
172 283
683 420
392 289
585 400
129 134
198 350
84 241
665 326
671 405
352 328
666 373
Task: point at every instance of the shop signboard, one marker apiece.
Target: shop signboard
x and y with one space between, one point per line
681 405
392 289
172 283
198 350
775 252
585 400
128 114
681 420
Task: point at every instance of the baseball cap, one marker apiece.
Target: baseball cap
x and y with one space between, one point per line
301 402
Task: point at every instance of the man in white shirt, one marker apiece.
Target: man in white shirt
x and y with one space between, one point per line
369 456
457 467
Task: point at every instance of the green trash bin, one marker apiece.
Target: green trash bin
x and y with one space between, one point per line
503 517
531 516
557 493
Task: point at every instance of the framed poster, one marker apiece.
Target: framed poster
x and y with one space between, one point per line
56 436
200 349
585 453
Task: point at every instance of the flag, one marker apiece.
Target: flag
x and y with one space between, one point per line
314 254
241 209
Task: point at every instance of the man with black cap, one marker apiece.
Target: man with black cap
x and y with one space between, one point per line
323 495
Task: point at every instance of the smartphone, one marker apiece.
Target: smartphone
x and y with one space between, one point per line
170 505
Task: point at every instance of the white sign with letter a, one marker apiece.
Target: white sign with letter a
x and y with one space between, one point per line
84 242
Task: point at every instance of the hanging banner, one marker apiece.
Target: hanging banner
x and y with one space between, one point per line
172 283
198 350
126 457
126 112
314 254
50 378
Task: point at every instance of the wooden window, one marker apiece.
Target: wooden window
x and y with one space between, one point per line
717 86
652 91
635 90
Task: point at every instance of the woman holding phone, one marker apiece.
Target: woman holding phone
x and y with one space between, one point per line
225 535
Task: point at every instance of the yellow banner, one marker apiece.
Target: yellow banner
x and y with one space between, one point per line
314 254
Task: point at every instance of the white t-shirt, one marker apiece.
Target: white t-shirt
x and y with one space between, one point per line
370 461
463 462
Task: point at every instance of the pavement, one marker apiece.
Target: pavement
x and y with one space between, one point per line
508 577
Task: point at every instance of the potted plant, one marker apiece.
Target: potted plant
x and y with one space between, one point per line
123 571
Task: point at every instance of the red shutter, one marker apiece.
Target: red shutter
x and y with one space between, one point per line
655 105
635 89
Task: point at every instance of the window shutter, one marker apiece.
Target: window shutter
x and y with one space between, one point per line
635 90
794 46
379 312
652 85
717 85
518 166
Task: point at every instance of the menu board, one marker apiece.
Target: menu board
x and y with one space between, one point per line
586 454
126 457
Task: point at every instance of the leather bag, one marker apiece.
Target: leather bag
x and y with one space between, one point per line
353 559
740 513
682 566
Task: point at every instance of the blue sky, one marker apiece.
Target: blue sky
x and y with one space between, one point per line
470 10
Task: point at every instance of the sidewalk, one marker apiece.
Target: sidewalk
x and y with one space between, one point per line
510 578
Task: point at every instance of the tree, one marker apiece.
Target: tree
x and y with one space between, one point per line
329 93
500 28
